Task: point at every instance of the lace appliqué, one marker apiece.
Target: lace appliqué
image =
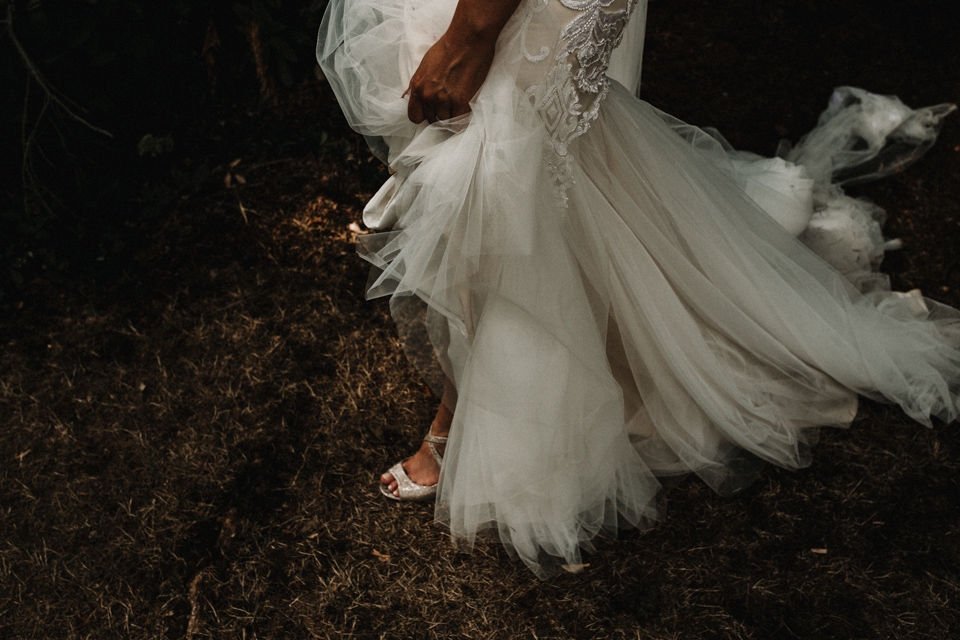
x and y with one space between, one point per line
537 7
569 96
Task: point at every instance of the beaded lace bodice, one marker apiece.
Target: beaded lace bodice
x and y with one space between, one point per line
569 95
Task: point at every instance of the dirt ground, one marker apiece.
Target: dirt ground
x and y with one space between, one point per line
189 447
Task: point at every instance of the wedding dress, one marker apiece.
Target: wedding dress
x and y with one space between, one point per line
609 289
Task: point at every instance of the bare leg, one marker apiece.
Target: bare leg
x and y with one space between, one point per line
421 467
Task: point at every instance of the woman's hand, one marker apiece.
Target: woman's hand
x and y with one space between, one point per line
449 76
454 68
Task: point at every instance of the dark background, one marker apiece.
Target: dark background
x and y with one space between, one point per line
174 82
168 81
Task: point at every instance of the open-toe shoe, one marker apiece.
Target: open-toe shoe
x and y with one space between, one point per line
409 490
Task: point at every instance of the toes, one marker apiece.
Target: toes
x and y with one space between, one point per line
391 482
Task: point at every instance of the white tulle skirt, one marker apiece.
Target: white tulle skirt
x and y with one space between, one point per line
658 322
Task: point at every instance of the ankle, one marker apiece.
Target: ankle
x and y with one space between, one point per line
440 429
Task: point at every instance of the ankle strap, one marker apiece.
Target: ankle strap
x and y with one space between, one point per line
432 440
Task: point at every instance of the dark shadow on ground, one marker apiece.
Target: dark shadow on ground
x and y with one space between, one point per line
189 448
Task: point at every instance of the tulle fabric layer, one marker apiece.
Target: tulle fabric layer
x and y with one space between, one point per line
661 323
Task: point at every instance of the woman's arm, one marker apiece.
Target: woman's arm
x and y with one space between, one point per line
453 69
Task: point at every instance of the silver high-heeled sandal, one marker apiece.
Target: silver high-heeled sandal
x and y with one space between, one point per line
409 490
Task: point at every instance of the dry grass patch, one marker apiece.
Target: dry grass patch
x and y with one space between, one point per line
192 451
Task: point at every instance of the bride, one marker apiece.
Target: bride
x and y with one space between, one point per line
602 295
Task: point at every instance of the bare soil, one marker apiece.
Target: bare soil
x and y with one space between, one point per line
189 448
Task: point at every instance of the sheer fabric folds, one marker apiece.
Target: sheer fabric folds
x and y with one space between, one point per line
611 304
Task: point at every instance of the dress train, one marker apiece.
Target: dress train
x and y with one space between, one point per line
613 301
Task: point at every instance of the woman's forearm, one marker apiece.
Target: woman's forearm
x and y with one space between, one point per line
479 22
454 68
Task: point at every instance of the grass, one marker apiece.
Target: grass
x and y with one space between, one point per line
191 450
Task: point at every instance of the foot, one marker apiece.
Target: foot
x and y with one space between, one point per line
421 467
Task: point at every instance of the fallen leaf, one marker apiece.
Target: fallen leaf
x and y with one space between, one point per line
574 568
